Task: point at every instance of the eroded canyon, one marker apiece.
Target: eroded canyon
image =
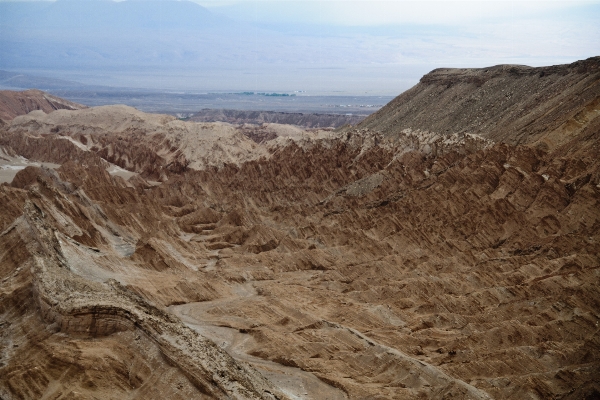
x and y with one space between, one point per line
446 247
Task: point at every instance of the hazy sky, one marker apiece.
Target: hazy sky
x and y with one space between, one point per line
334 46
373 13
465 32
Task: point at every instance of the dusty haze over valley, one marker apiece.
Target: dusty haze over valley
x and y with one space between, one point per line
299 200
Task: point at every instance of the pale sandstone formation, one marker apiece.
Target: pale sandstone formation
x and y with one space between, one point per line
154 145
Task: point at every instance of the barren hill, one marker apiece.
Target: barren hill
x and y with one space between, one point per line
386 261
13 104
509 103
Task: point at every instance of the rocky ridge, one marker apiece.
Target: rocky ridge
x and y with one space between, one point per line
13 104
304 120
151 144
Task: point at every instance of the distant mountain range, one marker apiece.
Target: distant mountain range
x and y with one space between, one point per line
16 80
73 34
180 45
307 111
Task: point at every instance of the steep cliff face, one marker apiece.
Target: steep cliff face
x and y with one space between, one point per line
405 263
13 104
509 103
